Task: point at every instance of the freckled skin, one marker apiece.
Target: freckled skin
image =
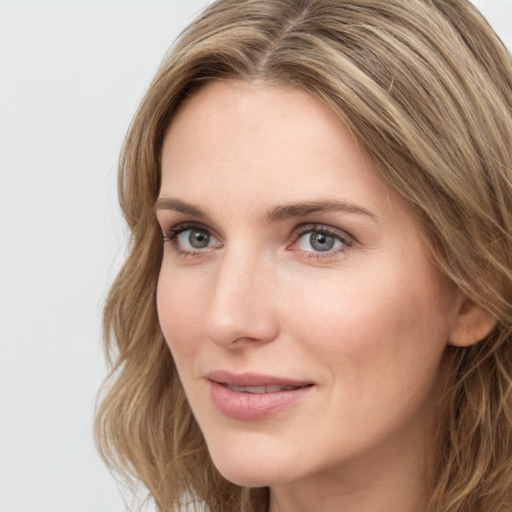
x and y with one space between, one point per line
367 325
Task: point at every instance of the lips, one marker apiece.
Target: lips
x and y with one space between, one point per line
253 397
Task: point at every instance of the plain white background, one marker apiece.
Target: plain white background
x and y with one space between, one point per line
71 75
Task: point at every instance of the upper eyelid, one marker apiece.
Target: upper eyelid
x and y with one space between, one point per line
185 225
302 228
342 233
171 219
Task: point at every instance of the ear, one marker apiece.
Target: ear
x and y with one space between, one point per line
471 325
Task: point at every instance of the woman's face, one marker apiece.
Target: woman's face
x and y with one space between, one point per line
307 322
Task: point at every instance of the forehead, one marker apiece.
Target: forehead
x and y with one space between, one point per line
266 138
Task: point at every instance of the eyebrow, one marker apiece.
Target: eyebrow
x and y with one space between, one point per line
279 213
176 205
307 208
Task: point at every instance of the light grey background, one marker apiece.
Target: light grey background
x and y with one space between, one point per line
71 75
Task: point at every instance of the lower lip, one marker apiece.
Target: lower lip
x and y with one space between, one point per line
253 406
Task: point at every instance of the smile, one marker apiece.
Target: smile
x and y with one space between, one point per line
251 397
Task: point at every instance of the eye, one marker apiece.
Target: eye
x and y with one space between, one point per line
322 239
191 239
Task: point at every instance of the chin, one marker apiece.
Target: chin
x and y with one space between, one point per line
245 477
254 464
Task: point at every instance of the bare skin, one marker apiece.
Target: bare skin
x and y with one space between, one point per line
286 256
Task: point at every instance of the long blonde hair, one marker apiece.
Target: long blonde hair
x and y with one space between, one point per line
426 88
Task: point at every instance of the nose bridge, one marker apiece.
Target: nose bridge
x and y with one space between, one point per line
241 302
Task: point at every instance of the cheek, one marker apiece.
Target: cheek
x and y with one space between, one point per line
381 341
370 323
178 307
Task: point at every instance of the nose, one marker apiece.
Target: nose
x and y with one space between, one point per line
241 306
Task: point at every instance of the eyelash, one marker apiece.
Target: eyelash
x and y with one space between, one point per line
174 232
346 240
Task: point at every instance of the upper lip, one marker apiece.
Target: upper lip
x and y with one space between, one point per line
253 379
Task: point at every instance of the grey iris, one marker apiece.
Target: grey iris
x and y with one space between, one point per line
321 241
198 239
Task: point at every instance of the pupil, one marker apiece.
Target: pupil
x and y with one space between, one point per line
321 241
198 239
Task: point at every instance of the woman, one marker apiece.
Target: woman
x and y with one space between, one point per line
327 323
